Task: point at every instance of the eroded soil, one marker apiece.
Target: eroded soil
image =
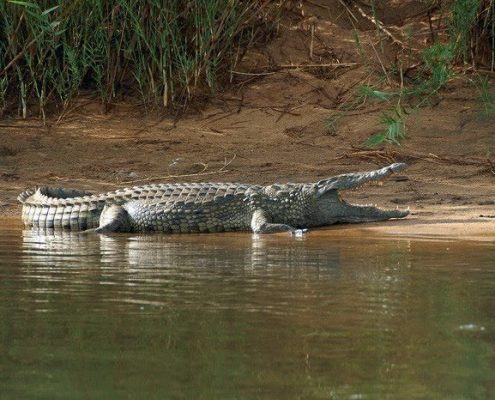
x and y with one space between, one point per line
269 127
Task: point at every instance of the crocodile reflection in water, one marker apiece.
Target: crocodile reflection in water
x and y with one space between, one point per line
61 248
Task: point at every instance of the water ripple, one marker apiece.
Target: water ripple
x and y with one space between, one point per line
312 318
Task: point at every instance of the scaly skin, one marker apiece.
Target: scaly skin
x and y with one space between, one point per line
205 207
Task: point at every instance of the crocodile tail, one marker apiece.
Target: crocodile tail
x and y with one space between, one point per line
45 207
51 193
26 195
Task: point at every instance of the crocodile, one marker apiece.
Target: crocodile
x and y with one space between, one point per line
206 207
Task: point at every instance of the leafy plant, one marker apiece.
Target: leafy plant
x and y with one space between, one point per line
470 20
465 14
437 66
395 128
485 96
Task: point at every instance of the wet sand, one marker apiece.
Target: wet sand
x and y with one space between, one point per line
453 223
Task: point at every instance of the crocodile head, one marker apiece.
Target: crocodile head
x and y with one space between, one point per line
331 208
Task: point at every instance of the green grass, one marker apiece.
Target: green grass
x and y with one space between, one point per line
466 14
394 128
485 96
470 39
167 51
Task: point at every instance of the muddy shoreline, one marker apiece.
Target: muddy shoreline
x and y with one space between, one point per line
270 128
447 224
100 153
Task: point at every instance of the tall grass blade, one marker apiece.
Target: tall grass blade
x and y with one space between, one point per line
166 51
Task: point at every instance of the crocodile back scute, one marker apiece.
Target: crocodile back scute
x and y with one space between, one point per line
47 207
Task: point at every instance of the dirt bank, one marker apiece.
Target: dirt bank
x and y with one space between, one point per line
269 127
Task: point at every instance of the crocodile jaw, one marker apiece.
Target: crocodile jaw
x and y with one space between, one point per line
333 209
368 213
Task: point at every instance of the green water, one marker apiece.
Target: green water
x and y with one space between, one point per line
245 317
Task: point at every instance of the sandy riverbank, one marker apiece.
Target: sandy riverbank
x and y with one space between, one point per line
270 128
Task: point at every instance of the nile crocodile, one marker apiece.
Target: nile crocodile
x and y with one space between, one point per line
205 207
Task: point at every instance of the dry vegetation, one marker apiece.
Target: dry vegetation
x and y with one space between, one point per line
164 52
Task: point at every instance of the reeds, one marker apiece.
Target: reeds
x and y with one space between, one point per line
166 51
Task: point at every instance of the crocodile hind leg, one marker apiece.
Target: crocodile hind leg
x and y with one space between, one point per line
113 218
260 223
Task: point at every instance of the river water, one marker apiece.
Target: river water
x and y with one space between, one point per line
235 316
